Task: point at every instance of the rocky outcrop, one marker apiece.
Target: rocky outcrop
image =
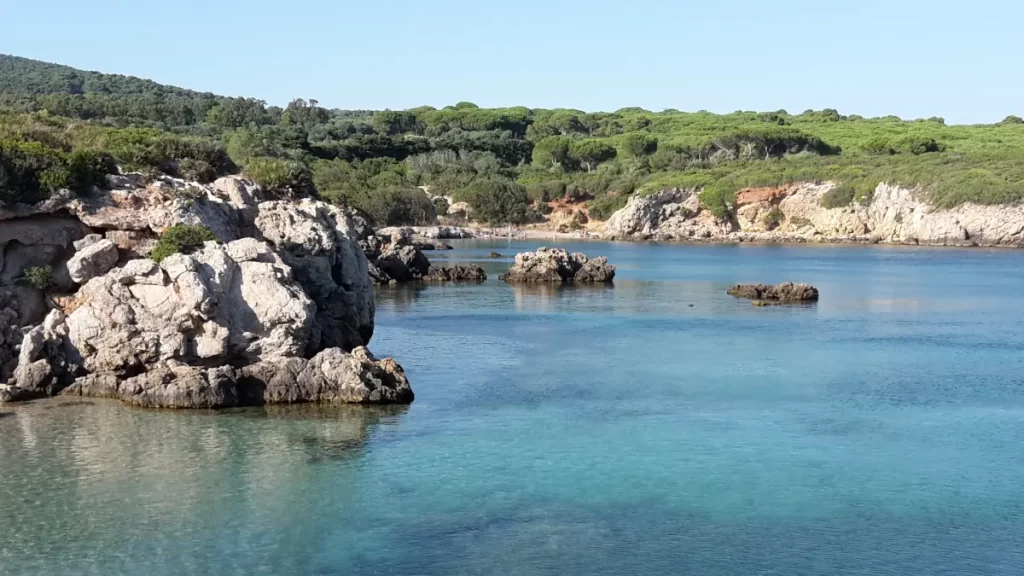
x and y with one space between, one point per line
456 273
332 376
320 243
403 263
895 215
785 292
557 265
290 287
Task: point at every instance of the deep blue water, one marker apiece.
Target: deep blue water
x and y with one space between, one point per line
656 427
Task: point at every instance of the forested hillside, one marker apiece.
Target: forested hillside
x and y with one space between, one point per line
65 128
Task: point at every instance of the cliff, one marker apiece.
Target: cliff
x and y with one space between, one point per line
894 215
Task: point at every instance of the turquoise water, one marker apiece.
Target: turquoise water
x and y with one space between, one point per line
657 427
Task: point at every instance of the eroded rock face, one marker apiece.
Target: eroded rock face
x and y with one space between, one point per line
456 273
557 265
320 243
785 292
895 215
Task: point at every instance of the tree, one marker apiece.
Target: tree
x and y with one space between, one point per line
238 113
499 201
307 114
638 145
1011 119
552 151
590 153
392 123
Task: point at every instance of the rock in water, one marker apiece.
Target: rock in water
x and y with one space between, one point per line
403 263
494 255
332 376
785 292
557 265
170 385
456 273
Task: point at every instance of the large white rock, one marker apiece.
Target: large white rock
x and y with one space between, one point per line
320 243
237 301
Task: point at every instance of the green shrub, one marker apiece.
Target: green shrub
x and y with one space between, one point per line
280 176
839 196
39 277
498 201
190 193
546 191
719 200
773 218
181 239
396 206
602 208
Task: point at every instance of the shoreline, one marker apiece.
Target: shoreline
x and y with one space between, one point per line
534 235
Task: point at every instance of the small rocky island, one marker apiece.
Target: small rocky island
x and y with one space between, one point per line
559 266
765 294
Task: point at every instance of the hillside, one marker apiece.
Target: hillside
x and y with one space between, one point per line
62 127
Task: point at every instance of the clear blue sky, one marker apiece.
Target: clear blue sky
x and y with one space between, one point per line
913 58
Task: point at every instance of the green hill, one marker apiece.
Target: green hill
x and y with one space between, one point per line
60 127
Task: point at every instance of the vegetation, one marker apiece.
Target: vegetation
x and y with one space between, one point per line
39 277
62 128
181 239
773 218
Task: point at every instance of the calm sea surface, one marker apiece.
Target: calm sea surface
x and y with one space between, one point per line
657 427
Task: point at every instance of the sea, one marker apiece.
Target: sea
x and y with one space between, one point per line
654 426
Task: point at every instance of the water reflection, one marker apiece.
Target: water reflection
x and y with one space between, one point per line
401 297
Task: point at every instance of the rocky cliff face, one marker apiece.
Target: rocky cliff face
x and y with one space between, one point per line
277 311
794 214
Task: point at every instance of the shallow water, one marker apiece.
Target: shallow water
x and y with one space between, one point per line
657 427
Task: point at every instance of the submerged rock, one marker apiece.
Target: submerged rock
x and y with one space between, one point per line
785 292
456 273
557 265
494 255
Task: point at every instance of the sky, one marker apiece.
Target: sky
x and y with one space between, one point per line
912 58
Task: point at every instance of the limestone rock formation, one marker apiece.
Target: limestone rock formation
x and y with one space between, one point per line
785 292
456 273
894 214
557 265
320 243
94 256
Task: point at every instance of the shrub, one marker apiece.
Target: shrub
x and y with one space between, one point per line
545 191
39 277
190 193
441 205
181 239
498 201
602 208
280 176
773 218
838 197
397 206
719 200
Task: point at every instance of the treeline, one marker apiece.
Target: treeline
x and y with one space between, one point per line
64 128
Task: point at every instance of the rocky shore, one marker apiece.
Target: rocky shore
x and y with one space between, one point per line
795 213
278 309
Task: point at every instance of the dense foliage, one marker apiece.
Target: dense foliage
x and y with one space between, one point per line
181 239
65 128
